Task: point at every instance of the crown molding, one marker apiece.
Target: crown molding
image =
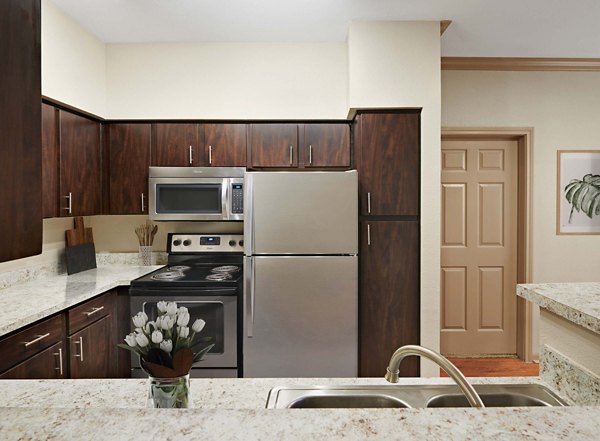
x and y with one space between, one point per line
522 64
444 25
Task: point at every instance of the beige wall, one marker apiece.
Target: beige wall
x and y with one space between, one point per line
73 62
227 80
397 64
564 110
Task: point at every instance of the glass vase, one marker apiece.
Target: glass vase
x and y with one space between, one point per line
169 393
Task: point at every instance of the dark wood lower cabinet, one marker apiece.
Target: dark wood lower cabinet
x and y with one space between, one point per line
389 298
47 364
91 350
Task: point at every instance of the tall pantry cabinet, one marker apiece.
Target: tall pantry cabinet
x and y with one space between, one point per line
387 156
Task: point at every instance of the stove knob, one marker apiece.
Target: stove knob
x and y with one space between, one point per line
187 243
176 242
232 243
241 243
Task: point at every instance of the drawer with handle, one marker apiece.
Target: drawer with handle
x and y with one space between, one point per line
31 340
91 311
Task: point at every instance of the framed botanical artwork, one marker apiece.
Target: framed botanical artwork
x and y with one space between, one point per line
578 192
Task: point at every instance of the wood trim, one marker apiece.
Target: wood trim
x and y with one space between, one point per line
64 106
522 64
524 135
558 232
444 24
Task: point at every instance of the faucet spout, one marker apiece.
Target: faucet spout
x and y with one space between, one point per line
394 369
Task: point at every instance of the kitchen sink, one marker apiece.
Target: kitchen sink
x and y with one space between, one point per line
407 396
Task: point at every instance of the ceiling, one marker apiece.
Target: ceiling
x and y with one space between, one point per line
500 28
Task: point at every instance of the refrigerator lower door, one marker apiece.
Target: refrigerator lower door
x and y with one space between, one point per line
301 316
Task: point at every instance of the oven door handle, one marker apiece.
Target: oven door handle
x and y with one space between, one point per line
249 295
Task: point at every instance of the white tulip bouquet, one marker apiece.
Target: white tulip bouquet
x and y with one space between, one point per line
166 346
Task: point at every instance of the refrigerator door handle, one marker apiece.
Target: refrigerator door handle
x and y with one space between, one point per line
248 215
249 295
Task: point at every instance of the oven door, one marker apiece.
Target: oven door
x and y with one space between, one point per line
188 199
218 311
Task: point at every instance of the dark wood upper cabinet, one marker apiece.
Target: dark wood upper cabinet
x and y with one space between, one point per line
128 162
50 156
225 145
389 302
388 161
46 364
20 126
273 145
326 145
80 165
177 145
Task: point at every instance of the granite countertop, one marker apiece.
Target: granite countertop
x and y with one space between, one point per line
25 303
577 302
235 409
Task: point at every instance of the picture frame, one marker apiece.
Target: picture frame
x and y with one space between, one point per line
578 192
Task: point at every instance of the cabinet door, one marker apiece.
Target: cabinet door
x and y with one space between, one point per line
389 295
80 165
388 162
129 159
177 145
91 351
326 145
274 145
225 145
50 154
49 363
20 125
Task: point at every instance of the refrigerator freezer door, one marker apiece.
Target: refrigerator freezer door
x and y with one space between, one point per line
301 213
302 313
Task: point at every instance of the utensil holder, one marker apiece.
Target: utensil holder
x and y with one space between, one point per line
145 255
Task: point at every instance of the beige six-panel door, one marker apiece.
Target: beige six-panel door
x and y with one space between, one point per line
479 247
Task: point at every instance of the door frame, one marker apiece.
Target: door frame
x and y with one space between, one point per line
524 138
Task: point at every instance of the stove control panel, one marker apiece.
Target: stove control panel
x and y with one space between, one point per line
201 243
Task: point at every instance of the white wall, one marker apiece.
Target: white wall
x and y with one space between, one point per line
227 81
397 64
564 110
73 62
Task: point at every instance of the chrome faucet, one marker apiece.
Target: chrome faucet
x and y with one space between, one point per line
394 369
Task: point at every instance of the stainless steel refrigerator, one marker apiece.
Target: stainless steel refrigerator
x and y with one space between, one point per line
301 274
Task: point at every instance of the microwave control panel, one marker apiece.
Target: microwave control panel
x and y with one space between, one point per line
237 198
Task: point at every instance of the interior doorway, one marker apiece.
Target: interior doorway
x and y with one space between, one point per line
485 185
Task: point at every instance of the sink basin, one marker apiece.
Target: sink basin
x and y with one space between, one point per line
489 400
346 401
407 396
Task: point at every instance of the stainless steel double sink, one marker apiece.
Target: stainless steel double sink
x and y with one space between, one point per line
409 396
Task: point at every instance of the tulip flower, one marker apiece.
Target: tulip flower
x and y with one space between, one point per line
183 331
157 337
167 322
140 319
171 308
142 340
130 340
182 309
198 325
166 345
183 319
162 306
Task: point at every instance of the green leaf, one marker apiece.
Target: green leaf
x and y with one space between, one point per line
584 195
129 348
158 356
200 354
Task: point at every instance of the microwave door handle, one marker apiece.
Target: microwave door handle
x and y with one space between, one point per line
225 208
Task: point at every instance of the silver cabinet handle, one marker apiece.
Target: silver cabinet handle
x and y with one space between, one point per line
69 198
191 157
369 234
291 154
94 310
210 154
368 202
310 154
60 362
80 355
143 207
35 340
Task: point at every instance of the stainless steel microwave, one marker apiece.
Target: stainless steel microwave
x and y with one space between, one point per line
196 193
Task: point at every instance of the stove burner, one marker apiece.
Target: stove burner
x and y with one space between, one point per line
219 276
169 275
178 268
225 269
